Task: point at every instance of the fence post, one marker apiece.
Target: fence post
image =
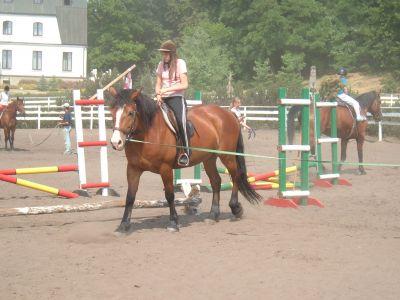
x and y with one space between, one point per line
48 103
91 116
380 133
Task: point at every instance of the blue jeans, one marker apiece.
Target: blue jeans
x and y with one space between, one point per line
67 138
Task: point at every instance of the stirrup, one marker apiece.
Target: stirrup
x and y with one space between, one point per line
183 160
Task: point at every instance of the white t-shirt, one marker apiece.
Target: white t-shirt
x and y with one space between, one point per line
4 98
167 82
236 111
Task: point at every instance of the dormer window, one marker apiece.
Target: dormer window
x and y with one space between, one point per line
7 27
7 1
37 29
67 2
37 1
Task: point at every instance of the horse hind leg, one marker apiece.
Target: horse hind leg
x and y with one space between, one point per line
133 176
230 163
210 166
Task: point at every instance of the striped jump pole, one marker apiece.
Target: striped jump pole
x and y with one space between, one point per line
293 198
40 170
333 178
101 142
37 186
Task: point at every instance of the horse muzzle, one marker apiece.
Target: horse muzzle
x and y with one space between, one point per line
118 140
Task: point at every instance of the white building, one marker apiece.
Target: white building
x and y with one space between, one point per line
43 38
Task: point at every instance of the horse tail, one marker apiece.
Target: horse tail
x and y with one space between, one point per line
293 111
244 187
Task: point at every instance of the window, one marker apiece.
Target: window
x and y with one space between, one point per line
8 1
7 27
6 59
67 2
67 61
37 29
37 60
37 1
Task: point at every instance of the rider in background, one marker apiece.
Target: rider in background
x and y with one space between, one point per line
171 83
4 98
344 95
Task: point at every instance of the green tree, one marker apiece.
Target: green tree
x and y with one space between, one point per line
207 59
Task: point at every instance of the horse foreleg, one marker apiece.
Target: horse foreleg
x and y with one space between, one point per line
360 144
12 132
167 178
343 151
6 138
210 167
133 176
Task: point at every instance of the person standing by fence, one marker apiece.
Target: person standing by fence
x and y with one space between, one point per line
67 124
234 107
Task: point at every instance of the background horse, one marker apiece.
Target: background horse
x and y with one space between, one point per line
8 120
136 115
347 126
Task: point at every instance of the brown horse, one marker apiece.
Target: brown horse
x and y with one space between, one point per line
137 116
348 127
8 120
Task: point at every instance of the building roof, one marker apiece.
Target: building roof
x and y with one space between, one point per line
72 19
48 7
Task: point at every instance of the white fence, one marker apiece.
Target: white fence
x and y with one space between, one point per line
45 109
390 99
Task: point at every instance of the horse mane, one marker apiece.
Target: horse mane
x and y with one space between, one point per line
366 99
145 106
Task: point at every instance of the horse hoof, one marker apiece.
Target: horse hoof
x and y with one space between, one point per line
173 227
362 172
210 221
123 228
237 211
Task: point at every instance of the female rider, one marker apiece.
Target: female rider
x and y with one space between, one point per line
171 83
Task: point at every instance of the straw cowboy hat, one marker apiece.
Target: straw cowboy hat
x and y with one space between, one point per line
65 105
168 46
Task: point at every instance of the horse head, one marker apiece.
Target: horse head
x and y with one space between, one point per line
375 107
124 114
20 105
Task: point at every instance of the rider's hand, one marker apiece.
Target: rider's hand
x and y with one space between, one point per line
159 100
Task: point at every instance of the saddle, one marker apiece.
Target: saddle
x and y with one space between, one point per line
350 108
170 120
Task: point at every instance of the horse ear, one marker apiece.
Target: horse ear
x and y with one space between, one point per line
112 91
136 94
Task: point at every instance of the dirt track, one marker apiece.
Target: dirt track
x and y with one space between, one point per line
348 250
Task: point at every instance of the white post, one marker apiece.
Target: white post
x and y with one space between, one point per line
79 138
48 103
102 137
38 117
245 115
380 133
91 117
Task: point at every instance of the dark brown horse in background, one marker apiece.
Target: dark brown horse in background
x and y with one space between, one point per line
139 117
347 126
8 120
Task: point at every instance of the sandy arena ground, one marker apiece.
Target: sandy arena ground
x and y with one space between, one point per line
348 250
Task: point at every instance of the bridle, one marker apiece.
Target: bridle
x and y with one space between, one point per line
132 130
